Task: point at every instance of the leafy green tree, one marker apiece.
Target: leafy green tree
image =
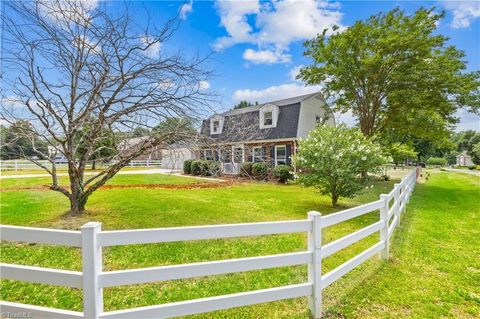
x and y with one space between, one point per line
175 129
451 158
332 159
244 104
466 140
401 152
103 149
395 73
140 132
475 153
21 141
436 161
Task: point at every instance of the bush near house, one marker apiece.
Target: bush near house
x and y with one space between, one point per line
246 169
196 167
261 171
436 161
210 168
282 173
187 167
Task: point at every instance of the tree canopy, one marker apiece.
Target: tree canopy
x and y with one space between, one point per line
244 104
395 73
80 73
333 159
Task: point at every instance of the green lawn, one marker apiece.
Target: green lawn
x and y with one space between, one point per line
433 270
127 179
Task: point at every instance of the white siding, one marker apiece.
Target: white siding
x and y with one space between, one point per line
173 159
309 109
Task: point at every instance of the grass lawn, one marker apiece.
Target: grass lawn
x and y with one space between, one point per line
127 179
433 270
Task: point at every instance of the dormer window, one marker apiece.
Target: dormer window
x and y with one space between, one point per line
216 125
267 118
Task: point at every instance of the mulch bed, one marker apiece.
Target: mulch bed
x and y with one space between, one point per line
145 186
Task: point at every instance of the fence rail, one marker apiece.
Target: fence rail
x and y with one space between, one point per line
93 279
16 165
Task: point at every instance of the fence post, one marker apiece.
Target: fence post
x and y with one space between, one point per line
315 267
91 268
384 231
396 195
16 165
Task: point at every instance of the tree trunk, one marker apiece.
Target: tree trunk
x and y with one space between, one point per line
334 200
77 204
78 198
93 164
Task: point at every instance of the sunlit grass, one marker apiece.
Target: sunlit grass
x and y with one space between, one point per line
375 290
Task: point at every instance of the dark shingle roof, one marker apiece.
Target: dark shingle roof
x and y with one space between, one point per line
243 124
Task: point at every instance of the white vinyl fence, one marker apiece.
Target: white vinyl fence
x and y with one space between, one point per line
15 165
93 279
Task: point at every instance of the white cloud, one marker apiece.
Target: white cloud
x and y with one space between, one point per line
64 12
233 16
186 9
272 93
12 102
464 12
153 50
274 25
291 20
468 121
294 72
265 56
204 85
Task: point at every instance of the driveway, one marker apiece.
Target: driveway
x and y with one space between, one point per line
464 171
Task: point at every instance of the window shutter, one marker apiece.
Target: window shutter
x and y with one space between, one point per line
272 154
288 151
248 152
264 153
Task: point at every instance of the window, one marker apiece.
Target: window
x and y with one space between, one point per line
208 155
257 154
237 154
280 154
268 118
216 126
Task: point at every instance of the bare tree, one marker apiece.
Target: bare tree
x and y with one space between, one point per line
75 70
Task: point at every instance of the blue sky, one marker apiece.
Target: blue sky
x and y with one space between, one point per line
259 45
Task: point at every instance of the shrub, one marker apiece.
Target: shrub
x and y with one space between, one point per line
472 167
209 168
436 161
282 173
214 168
195 167
204 168
187 167
260 171
246 169
335 160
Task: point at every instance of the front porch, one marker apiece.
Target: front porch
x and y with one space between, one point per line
232 156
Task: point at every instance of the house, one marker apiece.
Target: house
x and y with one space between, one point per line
463 159
126 147
267 132
175 154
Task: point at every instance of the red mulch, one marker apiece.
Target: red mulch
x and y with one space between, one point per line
146 186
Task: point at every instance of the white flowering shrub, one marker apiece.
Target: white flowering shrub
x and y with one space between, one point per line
333 159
